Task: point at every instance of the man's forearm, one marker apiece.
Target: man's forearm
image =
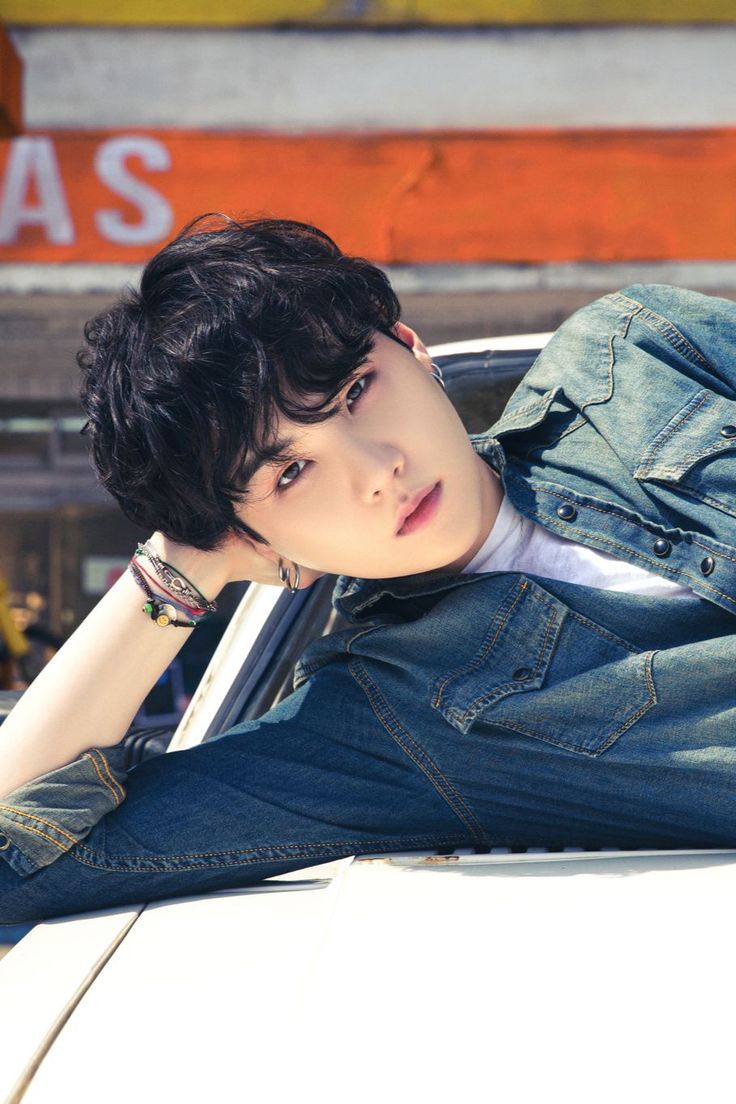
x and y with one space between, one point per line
90 691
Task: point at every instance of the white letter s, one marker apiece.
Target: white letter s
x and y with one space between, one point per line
156 214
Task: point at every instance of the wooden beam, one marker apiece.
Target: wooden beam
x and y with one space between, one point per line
511 197
11 73
203 13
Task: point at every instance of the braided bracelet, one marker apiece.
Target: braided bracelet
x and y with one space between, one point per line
183 606
173 579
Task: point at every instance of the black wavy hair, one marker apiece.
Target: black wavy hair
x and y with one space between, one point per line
183 380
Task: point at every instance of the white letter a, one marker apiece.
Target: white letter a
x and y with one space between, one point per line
34 160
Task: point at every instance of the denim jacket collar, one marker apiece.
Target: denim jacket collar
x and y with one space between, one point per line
621 437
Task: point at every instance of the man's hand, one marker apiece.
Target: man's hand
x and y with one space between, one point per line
237 558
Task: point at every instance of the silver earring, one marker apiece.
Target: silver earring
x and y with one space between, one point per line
285 576
437 373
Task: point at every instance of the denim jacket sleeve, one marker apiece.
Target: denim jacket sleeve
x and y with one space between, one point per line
47 816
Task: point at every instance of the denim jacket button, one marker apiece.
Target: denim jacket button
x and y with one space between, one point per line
662 547
567 512
4 843
521 674
728 431
707 565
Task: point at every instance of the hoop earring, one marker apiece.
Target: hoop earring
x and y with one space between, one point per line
437 373
285 576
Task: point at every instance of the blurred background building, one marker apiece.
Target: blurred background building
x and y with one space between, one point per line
505 160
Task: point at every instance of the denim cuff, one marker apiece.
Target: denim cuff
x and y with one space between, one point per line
44 818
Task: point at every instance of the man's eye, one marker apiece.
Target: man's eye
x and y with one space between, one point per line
362 386
289 475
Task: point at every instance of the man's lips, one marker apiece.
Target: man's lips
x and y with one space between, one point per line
418 510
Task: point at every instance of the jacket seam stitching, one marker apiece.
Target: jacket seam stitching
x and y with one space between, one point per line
661 325
586 505
45 835
675 425
602 631
628 318
577 424
485 648
533 404
678 572
592 754
478 703
109 784
605 397
660 440
722 555
273 852
659 470
113 780
31 816
410 747
258 852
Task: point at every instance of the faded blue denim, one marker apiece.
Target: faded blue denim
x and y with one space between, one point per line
472 710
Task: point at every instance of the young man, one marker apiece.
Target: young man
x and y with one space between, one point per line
542 616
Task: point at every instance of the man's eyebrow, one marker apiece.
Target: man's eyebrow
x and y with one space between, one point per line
283 448
267 455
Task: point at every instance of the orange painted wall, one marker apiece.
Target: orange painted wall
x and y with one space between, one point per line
511 196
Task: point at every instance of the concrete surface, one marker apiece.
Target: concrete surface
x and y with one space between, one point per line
322 80
43 332
715 277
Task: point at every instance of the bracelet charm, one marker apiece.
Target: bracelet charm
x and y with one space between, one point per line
159 610
173 580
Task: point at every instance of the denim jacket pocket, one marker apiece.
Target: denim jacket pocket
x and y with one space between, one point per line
547 672
695 450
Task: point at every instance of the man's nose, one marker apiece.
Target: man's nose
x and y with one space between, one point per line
375 466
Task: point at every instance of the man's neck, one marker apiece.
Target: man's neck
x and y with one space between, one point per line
491 490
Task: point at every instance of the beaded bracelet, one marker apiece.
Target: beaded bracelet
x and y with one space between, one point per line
161 609
193 611
174 580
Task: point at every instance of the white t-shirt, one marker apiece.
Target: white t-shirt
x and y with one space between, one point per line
516 543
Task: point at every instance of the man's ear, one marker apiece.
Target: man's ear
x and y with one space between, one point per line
414 343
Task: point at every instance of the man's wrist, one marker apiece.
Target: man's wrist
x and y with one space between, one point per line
205 570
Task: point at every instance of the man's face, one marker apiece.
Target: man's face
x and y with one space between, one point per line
337 506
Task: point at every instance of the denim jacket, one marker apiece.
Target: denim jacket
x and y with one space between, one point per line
500 707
